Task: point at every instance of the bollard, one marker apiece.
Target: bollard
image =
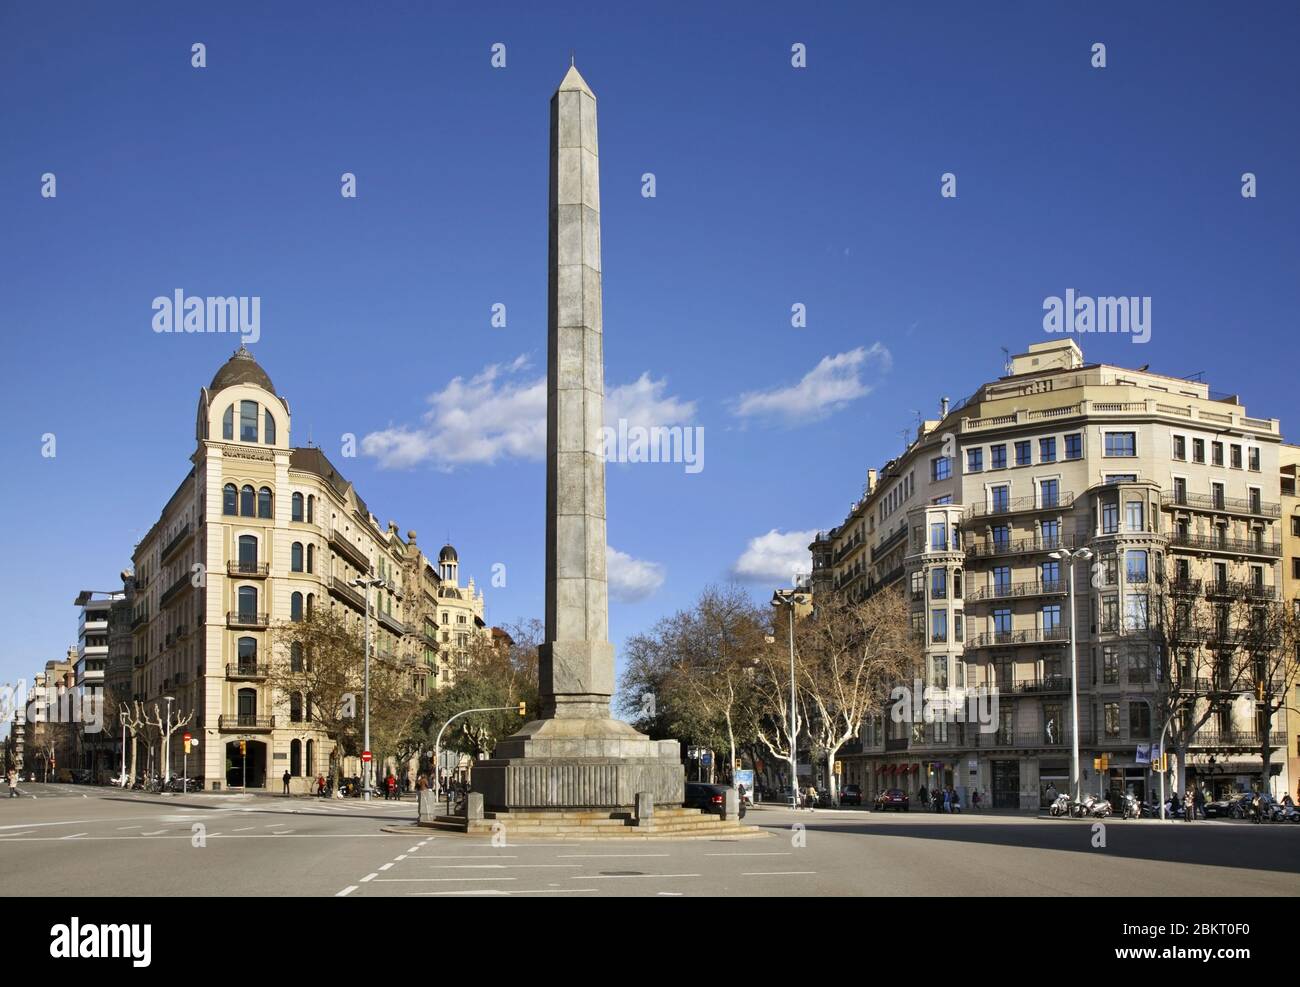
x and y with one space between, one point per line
645 808
474 807
731 806
428 806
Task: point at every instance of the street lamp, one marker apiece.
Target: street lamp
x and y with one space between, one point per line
787 598
1069 557
366 582
167 741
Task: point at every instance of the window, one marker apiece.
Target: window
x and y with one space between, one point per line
268 428
1052 621
1216 453
247 421
229 500
998 457
1198 450
1180 447
1001 499
945 499
1135 566
295 508
295 758
1051 533
1001 622
1133 515
1254 499
264 502
1135 612
938 626
228 424
1253 461
247 651
295 708
247 603
1236 457
1121 478
247 501
1139 668
938 583
1111 717
1074 446
295 557
1109 615
1109 518
1109 665
311 558
311 509
295 607
1050 493
974 460
1139 720
958 627
939 676
940 468
247 553
1180 490
1216 494
1002 580
295 657
1001 535
1047 450
1121 443
1049 574
1022 453
938 537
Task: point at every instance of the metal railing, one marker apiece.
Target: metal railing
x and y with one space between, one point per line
1031 587
1234 546
243 721
996 639
235 618
1213 502
247 671
249 569
1019 546
1020 505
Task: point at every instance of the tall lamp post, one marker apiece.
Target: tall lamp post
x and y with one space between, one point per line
366 582
786 598
167 742
1069 557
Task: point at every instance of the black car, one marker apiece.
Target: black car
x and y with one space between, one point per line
709 798
852 795
894 798
1234 806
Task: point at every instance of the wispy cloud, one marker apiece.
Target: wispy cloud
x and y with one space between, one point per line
775 557
500 413
631 580
822 391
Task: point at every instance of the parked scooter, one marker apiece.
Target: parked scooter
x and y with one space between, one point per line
1061 807
1132 807
1096 807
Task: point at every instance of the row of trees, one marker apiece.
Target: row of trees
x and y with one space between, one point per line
718 674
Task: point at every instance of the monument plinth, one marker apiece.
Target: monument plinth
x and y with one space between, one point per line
576 756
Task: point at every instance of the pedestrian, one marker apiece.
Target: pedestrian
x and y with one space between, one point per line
1189 806
320 786
391 786
956 802
12 778
285 779
975 800
922 797
947 801
1200 802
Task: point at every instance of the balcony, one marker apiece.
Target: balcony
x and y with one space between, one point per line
1227 546
1009 591
1186 587
247 619
1047 684
245 723
175 590
177 541
1007 639
247 671
1023 505
1059 739
391 622
140 617
348 594
1236 739
1020 546
349 550
1220 505
885 546
248 570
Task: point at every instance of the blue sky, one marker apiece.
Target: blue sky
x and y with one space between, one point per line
775 186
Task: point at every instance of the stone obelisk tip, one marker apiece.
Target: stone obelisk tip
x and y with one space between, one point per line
573 80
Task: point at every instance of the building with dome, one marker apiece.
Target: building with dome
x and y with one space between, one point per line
258 533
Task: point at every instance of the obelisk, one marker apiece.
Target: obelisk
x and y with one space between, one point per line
576 755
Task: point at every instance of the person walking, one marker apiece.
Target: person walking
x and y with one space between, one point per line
1200 802
12 778
975 800
285 778
956 802
1189 806
320 786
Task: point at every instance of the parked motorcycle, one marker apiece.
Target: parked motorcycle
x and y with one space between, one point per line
1132 807
1096 807
1061 807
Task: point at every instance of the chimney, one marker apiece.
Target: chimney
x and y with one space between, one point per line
943 407
871 480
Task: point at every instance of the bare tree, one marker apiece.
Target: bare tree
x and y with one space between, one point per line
132 716
166 724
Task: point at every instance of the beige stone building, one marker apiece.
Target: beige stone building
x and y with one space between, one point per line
260 532
1175 492
1289 462
48 745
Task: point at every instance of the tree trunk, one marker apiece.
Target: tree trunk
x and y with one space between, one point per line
832 782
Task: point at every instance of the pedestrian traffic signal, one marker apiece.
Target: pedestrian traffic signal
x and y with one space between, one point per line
523 709
243 747
1096 764
839 768
187 744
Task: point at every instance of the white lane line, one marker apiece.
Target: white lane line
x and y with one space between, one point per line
611 856
384 867
413 849
755 853
499 866
400 856
439 880
776 873
23 833
346 891
369 877
73 836
130 827
282 832
425 894
465 856
155 832
621 877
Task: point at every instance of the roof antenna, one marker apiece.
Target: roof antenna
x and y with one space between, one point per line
1007 366
572 58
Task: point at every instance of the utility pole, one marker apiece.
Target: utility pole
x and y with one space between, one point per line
366 582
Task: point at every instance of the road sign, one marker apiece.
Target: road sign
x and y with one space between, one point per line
706 758
366 756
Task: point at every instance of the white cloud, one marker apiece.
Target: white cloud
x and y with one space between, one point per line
823 390
501 414
631 580
775 557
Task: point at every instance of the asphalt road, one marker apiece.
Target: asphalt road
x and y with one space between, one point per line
72 840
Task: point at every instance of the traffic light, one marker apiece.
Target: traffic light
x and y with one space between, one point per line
1096 764
1105 763
1164 763
523 709
243 747
839 768
187 745
739 765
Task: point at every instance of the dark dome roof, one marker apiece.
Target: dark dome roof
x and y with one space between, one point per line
448 554
241 369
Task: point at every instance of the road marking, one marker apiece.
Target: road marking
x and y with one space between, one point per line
73 836
618 877
498 866
498 891
384 867
369 877
438 880
156 832
130 827
413 849
418 894
23 833
611 856
754 853
400 856
243 829
776 873
346 891
469 856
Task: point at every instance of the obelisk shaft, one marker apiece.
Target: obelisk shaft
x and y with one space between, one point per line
577 660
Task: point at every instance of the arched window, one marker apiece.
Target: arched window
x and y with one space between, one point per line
247 654
311 509
295 607
307 707
247 553
228 424
295 656
247 699
268 429
311 558
295 758
264 502
311 602
296 507
247 421
311 758
247 597
229 500
295 557
247 501
295 708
